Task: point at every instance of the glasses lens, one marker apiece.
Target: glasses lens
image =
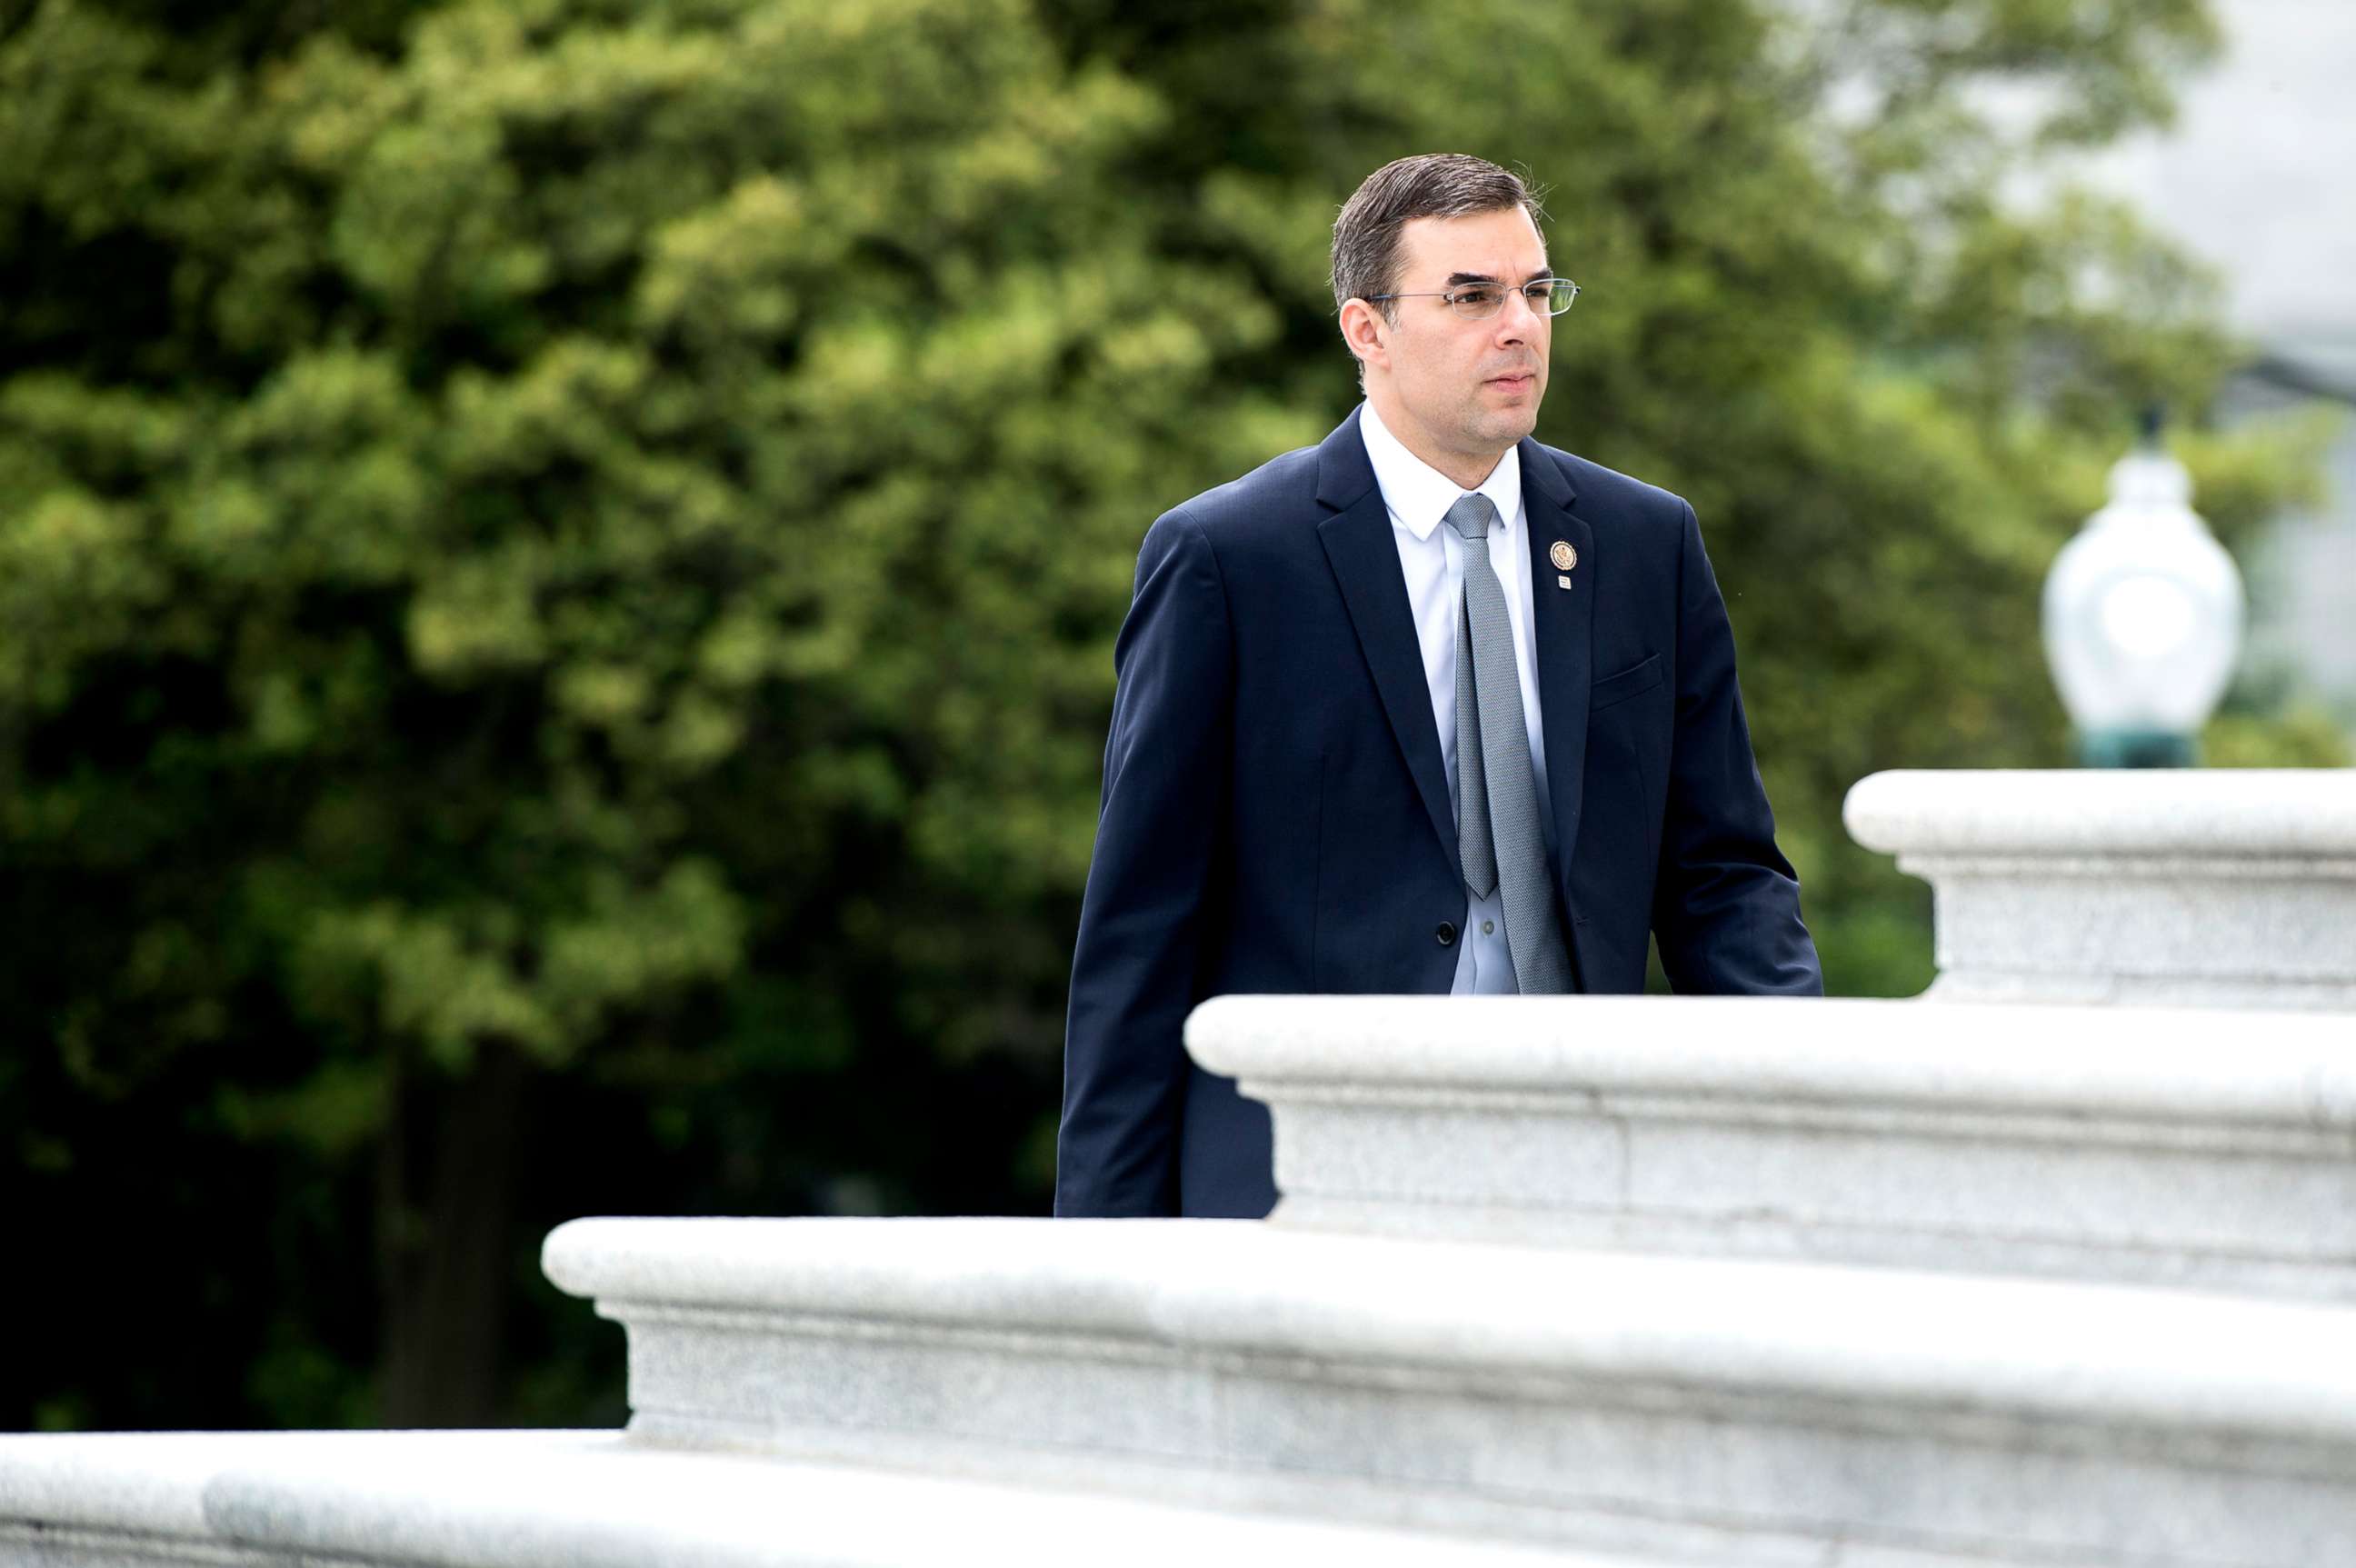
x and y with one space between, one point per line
1479 300
1547 296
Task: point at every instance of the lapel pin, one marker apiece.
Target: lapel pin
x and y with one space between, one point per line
1563 556
1562 582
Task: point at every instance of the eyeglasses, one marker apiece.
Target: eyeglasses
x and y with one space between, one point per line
1480 301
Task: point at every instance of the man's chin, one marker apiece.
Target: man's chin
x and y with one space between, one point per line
1503 426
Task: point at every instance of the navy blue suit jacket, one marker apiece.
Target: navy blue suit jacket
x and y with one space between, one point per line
1277 815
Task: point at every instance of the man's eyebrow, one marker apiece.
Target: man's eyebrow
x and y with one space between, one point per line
1456 279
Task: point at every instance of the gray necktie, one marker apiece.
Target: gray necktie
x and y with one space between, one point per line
1497 830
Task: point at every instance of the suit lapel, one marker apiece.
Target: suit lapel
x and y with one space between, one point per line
1365 557
1565 627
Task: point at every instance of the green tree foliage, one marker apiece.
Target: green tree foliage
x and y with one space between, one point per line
558 560
579 540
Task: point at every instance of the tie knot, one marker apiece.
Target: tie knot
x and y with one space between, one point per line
1472 515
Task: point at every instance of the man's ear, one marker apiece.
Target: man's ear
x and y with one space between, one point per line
1366 333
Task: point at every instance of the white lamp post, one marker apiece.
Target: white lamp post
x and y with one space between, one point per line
2142 618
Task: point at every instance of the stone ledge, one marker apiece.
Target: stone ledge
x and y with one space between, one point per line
2225 888
2290 816
2158 1065
516 1499
2028 1351
1709 1412
2186 1148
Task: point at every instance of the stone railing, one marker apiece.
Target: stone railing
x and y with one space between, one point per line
1664 1410
2227 888
1607 1283
2149 1145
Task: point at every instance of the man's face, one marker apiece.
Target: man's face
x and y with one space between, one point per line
1470 389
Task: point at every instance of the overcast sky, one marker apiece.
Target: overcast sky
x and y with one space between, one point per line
2259 176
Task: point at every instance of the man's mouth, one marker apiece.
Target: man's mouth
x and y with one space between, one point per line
1521 382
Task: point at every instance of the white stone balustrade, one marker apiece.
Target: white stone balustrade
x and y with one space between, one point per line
602 1500
2000 1280
1676 1410
2191 886
2167 1146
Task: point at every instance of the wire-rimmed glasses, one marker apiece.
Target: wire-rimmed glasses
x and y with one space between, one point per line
1480 301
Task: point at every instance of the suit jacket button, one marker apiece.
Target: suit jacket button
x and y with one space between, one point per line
1445 934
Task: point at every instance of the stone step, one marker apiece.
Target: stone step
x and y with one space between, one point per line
598 1500
1695 1410
2181 1147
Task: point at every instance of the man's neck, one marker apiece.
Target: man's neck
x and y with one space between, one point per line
1468 470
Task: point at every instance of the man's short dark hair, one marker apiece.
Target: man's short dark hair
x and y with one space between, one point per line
1429 185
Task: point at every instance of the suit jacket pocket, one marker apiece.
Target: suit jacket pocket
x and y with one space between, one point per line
1634 682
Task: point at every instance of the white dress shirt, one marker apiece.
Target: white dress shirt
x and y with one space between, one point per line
1431 556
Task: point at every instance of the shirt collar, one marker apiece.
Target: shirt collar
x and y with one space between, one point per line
1419 495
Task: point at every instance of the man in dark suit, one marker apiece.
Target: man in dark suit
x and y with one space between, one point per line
1427 707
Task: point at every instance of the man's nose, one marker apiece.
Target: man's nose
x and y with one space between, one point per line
1515 322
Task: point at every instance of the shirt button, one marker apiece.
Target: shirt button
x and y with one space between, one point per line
1444 934
1488 927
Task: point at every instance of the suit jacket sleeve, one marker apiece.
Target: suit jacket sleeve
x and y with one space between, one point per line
1136 969
1726 905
